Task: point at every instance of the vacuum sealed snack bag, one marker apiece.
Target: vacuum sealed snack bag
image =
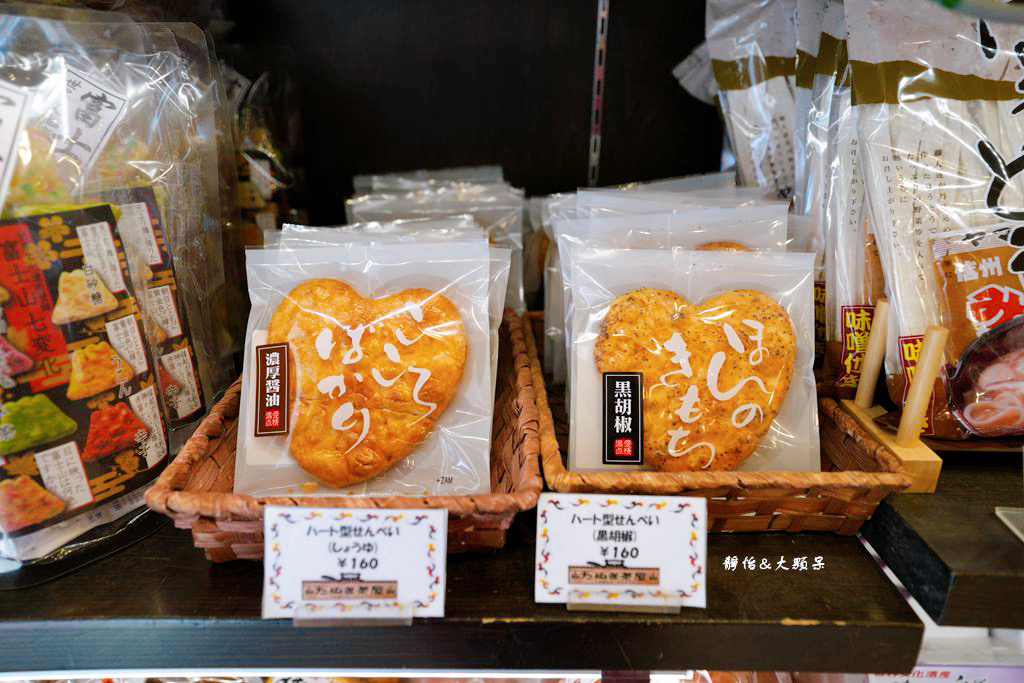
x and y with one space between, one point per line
367 370
692 360
498 209
937 103
753 56
81 431
757 228
464 227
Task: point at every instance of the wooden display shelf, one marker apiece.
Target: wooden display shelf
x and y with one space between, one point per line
954 555
159 604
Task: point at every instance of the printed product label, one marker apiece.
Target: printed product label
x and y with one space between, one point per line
271 389
126 339
93 110
623 419
910 351
856 332
137 230
99 252
145 405
178 365
63 474
820 314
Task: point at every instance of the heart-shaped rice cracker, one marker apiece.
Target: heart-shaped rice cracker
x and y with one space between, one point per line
369 378
714 375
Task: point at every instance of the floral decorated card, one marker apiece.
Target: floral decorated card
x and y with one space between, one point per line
630 551
354 563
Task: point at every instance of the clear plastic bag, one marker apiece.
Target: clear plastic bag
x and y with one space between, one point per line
296 237
497 208
631 315
695 76
388 388
937 105
756 228
423 178
753 56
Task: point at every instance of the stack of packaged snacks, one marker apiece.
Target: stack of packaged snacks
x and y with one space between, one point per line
753 56
938 110
112 271
369 368
497 208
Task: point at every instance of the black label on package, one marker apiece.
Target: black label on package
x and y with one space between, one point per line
623 418
271 389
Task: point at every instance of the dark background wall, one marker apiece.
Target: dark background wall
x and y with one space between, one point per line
401 84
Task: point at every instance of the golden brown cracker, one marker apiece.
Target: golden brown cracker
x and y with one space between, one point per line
396 362
673 343
722 245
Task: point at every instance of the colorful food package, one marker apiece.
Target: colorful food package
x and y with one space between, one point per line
81 431
122 131
938 112
691 360
753 56
425 178
497 208
367 380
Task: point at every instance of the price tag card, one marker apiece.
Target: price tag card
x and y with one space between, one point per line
353 563
629 551
954 674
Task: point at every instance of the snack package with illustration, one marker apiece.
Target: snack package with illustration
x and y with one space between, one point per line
81 430
497 208
691 360
939 125
367 379
752 44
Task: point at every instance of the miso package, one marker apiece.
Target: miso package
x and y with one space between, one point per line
367 370
938 107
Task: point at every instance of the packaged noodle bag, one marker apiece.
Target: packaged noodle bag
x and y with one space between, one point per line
854 281
939 119
81 432
367 370
753 56
691 360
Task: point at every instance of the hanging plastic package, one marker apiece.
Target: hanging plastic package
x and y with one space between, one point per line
426 178
939 115
854 281
695 76
753 56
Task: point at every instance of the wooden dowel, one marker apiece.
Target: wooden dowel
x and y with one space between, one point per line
874 356
925 372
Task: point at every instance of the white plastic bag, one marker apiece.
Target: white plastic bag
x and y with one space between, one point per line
443 306
753 56
601 275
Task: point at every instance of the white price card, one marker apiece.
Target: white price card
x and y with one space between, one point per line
954 674
629 551
353 563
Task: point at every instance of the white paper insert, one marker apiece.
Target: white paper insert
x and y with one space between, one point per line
145 406
163 310
136 227
64 475
354 563
124 336
621 550
179 365
99 252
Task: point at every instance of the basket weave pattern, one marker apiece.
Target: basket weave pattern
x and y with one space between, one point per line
857 473
195 489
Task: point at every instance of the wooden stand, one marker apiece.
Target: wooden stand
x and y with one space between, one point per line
921 463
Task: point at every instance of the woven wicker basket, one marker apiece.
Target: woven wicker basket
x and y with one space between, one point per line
195 489
857 473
